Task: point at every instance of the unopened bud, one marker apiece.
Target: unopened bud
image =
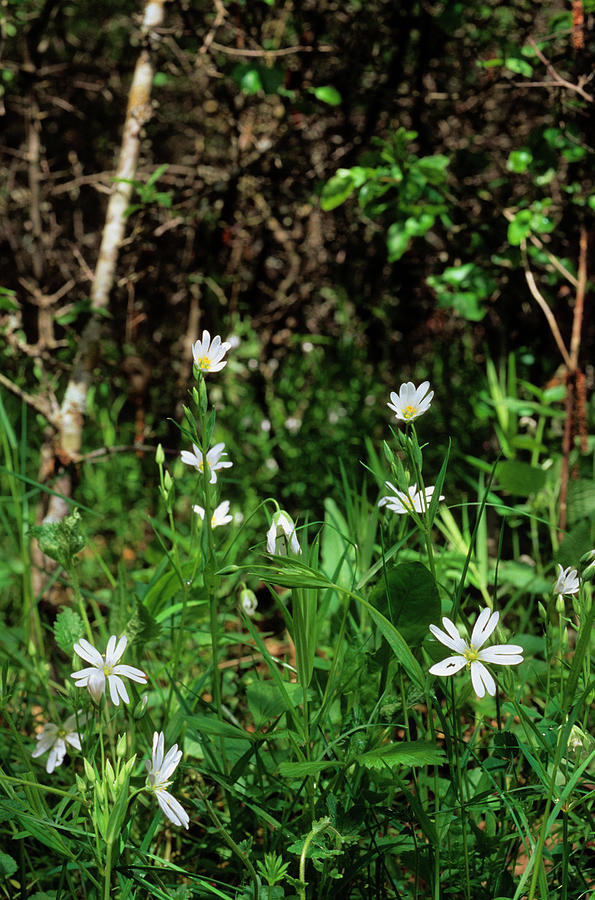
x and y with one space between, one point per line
542 611
80 784
586 566
160 455
139 709
89 771
560 606
121 746
248 601
168 482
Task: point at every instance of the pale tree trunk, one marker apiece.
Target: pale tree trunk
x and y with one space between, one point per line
71 416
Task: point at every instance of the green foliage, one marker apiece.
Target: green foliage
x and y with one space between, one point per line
62 540
68 629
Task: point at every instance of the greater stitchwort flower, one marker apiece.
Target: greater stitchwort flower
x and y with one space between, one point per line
159 772
282 532
220 515
214 460
208 355
54 738
411 402
567 582
403 503
103 668
469 653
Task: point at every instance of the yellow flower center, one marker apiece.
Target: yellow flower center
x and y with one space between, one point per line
203 363
409 412
471 655
107 669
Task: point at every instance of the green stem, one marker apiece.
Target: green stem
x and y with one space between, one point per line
79 598
230 842
107 872
460 790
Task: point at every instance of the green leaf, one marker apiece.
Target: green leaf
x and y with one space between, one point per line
519 160
417 226
520 227
581 500
8 866
327 94
68 628
406 753
202 724
518 66
303 769
337 190
397 241
61 540
266 701
520 478
409 598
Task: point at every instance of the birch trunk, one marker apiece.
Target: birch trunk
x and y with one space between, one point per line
72 410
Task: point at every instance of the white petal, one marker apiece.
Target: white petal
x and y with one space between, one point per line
117 689
110 649
88 652
56 757
174 810
484 626
158 744
449 666
502 654
452 639
74 740
482 680
170 762
271 535
199 511
83 675
118 652
190 459
96 684
130 672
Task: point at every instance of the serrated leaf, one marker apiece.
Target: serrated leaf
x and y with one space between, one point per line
68 628
61 540
405 753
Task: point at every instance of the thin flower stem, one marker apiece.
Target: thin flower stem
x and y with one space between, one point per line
460 788
79 598
230 841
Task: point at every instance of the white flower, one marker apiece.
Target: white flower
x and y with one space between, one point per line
403 503
469 653
101 668
282 527
208 355
54 738
567 582
411 402
214 461
219 517
159 772
248 601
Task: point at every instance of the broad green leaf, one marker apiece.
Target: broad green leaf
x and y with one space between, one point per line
518 66
520 227
327 94
8 866
520 478
337 190
266 701
397 241
581 500
405 753
204 724
519 160
409 598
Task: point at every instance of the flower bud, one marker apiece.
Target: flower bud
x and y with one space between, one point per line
89 771
139 709
121 746
248 601
560 606
159 455
586 566
542 611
